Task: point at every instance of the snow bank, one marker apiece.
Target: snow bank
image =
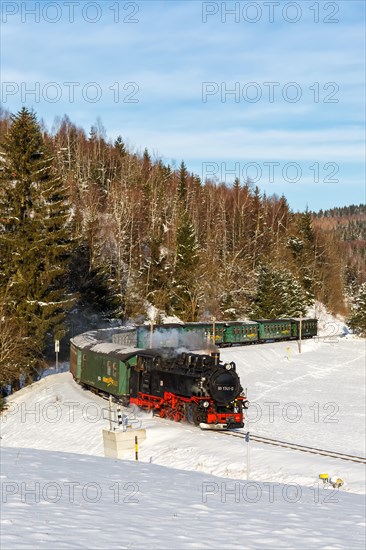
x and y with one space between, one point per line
68 501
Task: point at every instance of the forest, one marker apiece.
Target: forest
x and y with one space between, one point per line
93 233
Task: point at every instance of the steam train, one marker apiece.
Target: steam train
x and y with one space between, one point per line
199 389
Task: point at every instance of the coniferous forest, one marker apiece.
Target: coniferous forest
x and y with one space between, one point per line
92 232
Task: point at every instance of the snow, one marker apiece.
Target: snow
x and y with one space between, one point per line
328 325
153 313
94 503
51 434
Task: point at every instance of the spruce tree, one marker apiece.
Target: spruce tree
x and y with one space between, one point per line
182 185
184 295
34 232
302 246
158 270
279 294
120 146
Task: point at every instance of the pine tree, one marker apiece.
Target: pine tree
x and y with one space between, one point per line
158 271
184 291
357 320
279 294
34 232
120 146
292 294
303 248
97 299
182 186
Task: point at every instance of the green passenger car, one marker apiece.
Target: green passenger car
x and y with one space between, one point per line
274 329
163 336
241 332
204 332
107 372
309 327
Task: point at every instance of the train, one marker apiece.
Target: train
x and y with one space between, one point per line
228 333
143 366
196 388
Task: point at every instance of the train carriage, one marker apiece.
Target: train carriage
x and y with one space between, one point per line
104 367
241 332
204 333
162 336
274 329
309 327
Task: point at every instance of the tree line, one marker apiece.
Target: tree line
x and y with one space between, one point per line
91 231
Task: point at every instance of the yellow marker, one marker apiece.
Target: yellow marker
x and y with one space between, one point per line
136 448
324 477
336 482
288 349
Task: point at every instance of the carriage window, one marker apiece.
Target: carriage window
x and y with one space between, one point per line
109 368
115 370
84 359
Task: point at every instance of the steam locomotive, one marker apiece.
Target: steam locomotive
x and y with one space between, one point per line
199 389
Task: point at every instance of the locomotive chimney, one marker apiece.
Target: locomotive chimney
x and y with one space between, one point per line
216 356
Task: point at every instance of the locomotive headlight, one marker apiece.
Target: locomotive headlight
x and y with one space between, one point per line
228 366
206 404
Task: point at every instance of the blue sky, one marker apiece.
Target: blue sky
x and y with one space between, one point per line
160 74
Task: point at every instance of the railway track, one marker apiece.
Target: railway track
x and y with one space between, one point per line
297 447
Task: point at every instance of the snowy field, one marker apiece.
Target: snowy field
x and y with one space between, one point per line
191 487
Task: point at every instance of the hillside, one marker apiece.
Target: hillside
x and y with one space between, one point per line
92 232
347 225
51 436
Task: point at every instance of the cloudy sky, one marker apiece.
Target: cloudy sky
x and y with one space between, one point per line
267 90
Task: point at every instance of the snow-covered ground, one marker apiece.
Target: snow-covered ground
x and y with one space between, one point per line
314 398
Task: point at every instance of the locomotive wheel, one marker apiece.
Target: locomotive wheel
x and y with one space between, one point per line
198 416
177 416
